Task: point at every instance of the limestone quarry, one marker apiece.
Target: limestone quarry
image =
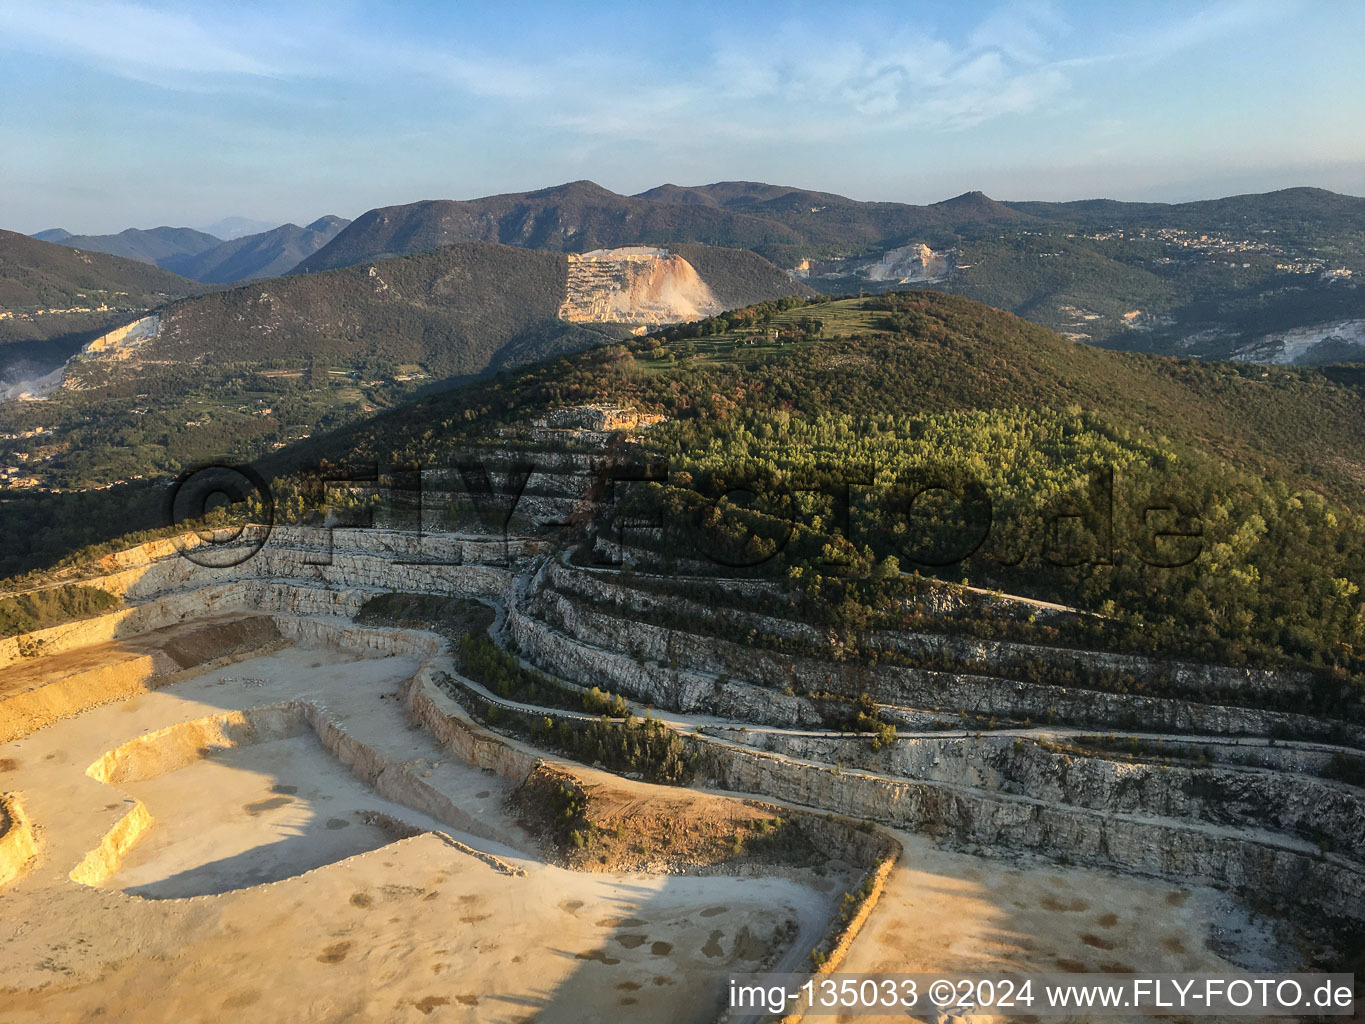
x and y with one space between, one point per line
229 785
635 285
118 344
915 263
1306 345
254 782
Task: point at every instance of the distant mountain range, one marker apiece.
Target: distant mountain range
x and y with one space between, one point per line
1272 277
1242 277
267 254
236 227
782 224
207 258
150 245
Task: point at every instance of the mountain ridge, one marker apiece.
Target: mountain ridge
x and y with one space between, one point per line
266 254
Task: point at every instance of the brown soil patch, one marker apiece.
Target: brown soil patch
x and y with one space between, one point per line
1096 941
430 1003
56 686
603 826
195 646
334 953
1071 906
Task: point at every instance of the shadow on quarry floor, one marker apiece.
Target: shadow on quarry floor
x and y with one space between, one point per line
276 809
246 815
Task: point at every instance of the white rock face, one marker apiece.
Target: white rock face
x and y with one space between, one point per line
635 285
119 343
908 264
1296 346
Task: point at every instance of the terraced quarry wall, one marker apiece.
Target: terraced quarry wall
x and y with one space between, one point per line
1275 829
1269 827
1283 873
635 285
680 668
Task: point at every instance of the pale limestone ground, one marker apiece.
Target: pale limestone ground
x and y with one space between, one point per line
410 930
948 911
417 930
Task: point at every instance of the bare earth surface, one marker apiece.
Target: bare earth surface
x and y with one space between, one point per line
350 924
273 885
947 911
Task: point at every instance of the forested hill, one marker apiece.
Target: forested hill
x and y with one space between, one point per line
927 352
1283 212
452 311
244 371
41 275
455 310
54 299
1263 465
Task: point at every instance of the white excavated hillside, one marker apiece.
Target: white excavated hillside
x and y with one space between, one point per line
635 285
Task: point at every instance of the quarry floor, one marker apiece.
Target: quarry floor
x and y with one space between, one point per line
267 888
338 920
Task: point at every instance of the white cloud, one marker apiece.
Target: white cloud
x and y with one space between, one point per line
802 82
134 41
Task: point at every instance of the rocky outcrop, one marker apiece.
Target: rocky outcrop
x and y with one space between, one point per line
451 725
609 592
676 667
1247 861
1323 813
653 681
18 844
99 864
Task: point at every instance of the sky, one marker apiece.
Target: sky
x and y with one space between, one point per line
131 114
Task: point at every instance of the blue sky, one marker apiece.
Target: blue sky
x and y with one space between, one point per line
137 114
